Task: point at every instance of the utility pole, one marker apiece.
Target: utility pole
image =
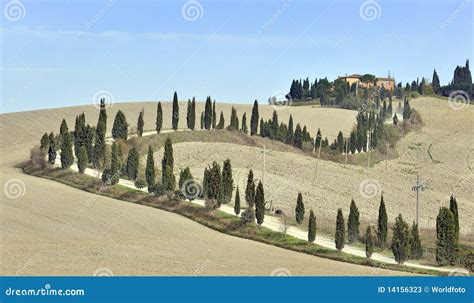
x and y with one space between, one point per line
419 186
317 163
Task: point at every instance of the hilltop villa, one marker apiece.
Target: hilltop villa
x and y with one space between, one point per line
387 83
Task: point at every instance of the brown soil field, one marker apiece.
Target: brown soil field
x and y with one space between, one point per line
47 228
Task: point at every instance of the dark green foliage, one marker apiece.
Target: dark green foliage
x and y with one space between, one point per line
214 183
221 123
89 143
184 175
63 129
167 165
51 148
237 202
446 246
340 230
299 209
208 114
340 142
159 118
250 190
353 223
79 132
254 119
150 168
395 119
369 242
289 133
202 120
120 128
107 176
248 216
99 147
244 128
140 123
453 207
234 121
382 224
214 114
298 137
140 183
191 114
416 250
227 181
120 156
133 161
67 156
462 74
400 240
44 142
260 203
311 227
114 162
406 111
103 114
82 159
175 117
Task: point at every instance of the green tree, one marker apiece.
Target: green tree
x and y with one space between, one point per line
260 203
382 225
191 114
140 123
120 127
63 129
89 142
202 120
250 190
221 123
299 209
103 114
82 159
214 183
67 157
79 132
453 207
289 133
369 242
99 147
133 161
227 181
208 114
44 142
244 128
340 142
234 122
237 202
340 230
446 248
114 161
416 250
298 137
150 169
159 118
400 240
167 164
395 119
214 115
51 148
353 223
254 119
175 117
311 227
435 82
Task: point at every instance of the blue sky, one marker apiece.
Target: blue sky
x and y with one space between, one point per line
62 53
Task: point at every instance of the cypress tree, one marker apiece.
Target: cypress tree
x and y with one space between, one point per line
214 115
435 82
369 242
298 137
79 132
453 207
244 129
340 230
44 142
254 119
237 202
202 120
250 190
89 143
99 147
299 210
140 123
205 183
159 118
191 114
184 175
114 161
175 117
167 165
227 181
150 169
416 250
445 237
400 240
260 203
133 161
208 114
353 223
220 125
234 122
119 157
63 129
103 115
120 128
382 225
82 159
67 157
311 227
214 183
289 133
51 148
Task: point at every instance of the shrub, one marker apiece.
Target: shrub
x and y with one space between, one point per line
140 183
38 157
248 216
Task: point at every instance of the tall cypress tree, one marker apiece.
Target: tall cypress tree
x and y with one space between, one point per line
353 223
298 137
167 177
67 157
244 128
299 209
260 203
254 119
435 82
382 224
133 161
250 190
227 181
369 242
150 169
89 143
289 133
114 161
120 127
220 125
191 114
400 240
453 207
416 250
159 118
51 148
340 230
140 123
445 237
99 146
208 114
103 114
63 129
237 202
214 115
234 122
311 227
82 159
214 184
202 120
175 117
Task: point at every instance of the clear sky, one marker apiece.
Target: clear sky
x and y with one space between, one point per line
60 53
